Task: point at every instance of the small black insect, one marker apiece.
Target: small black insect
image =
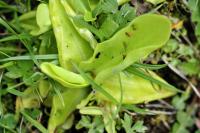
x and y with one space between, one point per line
97 55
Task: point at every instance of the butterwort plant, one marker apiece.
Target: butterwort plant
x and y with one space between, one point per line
99 57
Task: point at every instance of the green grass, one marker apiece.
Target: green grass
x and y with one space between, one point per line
21 55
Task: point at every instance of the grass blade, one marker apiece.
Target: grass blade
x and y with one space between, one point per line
121 96
4 5
34 122
12 89
5 24
143 75
149 66
28 57
8 64
7 128
1 105
15 37
94 84
136 109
